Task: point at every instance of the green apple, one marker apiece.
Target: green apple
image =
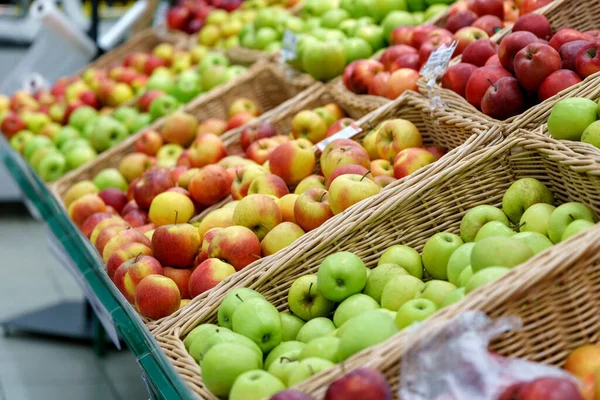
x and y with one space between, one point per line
591 134
388 313
536 218
200 333
348 27
465 275
81 116
415 310
315 328
357 49
231 301
187 87
419 17
162 106
88 129
264 36
163 82
214 77
494 228
199 349
484 277
404 256
379 277
522 194
223 364
434 10
52 166
126 116
316 8
198 346
454 297
341 275
39 154
248 40
363 331
272 48
107 133
258 320
416 5
20 140
323 34
373 34
35 121
436 291
66 134
36 142
233 42
265 18
458 261
324 60
360 8
294 24
255 385
576 227
534 240
283 348
212 60
290 326
306 301
235 71
352 307
499 251
334 17
80 156
399 290
140 122
283 365
110 178
76 143
307 368
383 8
570 117
437 252
477 217
564 215
323 347
395 19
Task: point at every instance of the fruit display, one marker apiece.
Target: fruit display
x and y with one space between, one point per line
61 129
575 119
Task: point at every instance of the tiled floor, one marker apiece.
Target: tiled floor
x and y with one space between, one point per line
35 368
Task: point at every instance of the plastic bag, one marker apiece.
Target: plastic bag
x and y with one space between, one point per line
455 364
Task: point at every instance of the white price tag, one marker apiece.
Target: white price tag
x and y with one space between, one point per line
33 83
438 61
345 133
289 46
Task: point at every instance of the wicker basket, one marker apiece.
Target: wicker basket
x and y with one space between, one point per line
262 83
560 312
561 14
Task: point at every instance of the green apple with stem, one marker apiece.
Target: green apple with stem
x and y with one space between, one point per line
162 106
464 276
363 331
484 277
323 347
306 301
521 195
258 320
107 133
200 333
454 297
534 240
404 256
564 215
307 368
290 326
494 228
110 178
576 227
283 365
315 328
399 290
223 364
352 307
437 252
341 275
436 291
168 154
536 218
458 261
570 117
255 385
223 335
283 349
477 217
415 310
499 251
379 277
231 301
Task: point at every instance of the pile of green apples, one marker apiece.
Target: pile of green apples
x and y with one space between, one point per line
575 118
331 33
345 308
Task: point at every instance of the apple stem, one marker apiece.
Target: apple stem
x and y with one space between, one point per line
519 226
364 176
312 371
238 296
282 358
256 256
492 83
322 195
137 257
176 215
309 290
572 217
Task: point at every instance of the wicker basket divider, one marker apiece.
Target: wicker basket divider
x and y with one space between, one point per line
558 285
262 83
561 14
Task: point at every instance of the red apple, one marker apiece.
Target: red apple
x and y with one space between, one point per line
493 61
114 198
152 63
253 133
420 33
437 151
511 11
393 52
595 33
400 81
402 35
511 45
466 36
176 245
12 124
460 20
209 185
556 82
344 122
490 24
412 61
348 169
430 45
534 63
568 53
260 150
478 52
239 119
550 388
487 7
311 209
177 17
566 35
479 82
528 6
149 143
363 384
363 73
456 77
143 103
503 99
136 217
587 61
150 185
534 23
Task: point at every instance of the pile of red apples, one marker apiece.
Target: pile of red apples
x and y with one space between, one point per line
397 70
529 66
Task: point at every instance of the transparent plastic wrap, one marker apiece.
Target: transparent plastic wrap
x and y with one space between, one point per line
455 363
